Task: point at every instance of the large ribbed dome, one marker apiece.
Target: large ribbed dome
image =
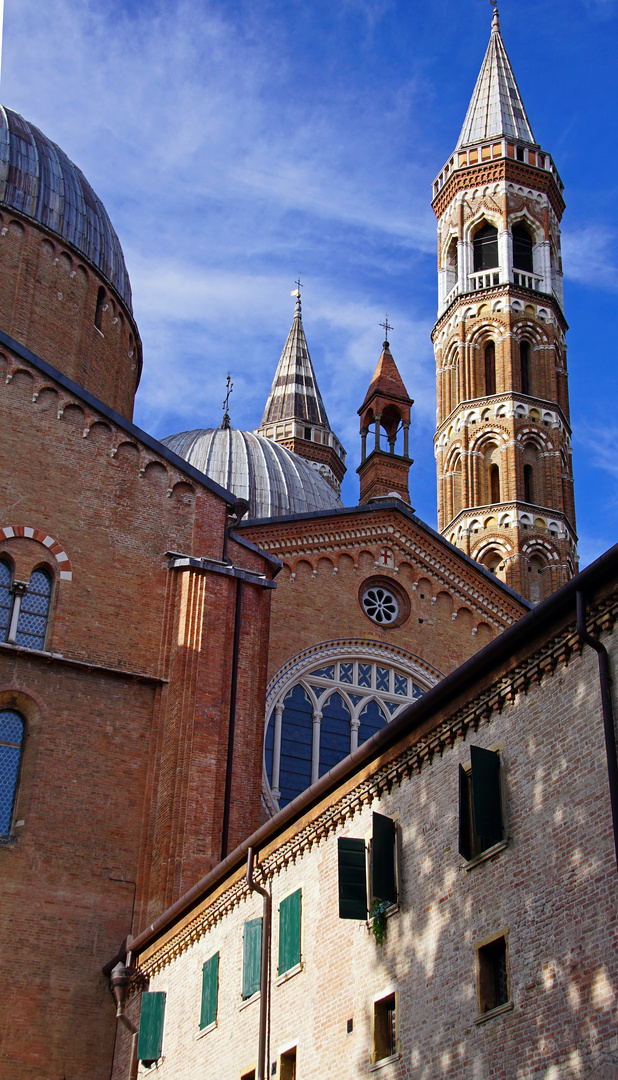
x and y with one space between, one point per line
38 180
273 480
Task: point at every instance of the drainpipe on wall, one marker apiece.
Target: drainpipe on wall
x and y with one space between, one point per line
262 1063
227 801
608 712
118 984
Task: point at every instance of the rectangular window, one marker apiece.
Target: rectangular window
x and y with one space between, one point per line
352 878
493 976
210 992
151 1027
384 1028
287 1065
289 932
384 859
251 957
480 803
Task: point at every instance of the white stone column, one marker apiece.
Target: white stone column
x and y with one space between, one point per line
276 793
354 726
315 746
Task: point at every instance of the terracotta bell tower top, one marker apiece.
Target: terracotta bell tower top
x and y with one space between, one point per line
387 407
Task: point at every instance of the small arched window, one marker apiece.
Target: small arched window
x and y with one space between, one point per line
11 740
528 484
490 369
34 611
485 248
522 249
6 599
494 484
100 308
524 357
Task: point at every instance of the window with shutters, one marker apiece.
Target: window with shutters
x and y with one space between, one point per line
493 976
151 1022
290 913
251 958
481 825
352 870
210 993
385 1035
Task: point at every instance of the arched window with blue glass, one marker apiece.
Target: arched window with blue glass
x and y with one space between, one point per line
24 607
11 742
330 710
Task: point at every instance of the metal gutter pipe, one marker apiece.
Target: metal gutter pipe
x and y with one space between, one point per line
262 1063
118 983
607 708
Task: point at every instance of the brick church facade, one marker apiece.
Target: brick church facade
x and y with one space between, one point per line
195 632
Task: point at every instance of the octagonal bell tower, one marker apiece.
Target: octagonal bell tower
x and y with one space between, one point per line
503 440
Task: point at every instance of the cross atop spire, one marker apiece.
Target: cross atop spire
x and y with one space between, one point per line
496 107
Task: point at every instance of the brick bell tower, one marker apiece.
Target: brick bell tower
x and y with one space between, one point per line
503 440
386 406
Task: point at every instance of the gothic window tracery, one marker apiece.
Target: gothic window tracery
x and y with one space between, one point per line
328 712
522 249
485 246
11 739
24 607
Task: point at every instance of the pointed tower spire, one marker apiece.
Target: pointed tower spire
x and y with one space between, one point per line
387 407
496 109
294 414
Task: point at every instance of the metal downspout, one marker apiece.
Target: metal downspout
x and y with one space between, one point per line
608 712
262 1064
118 984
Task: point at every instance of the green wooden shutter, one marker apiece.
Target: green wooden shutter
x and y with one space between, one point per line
151 1027
486 793
251 957
210 991
352 879
289 932
383 869
465 825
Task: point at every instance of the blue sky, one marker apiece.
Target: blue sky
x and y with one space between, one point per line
237 143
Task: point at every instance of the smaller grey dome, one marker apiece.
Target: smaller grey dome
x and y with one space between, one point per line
273 480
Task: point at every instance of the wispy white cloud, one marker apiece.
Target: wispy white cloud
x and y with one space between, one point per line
589 256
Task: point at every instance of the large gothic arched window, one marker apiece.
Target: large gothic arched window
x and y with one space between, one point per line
24 609
326 714
485 245
522 249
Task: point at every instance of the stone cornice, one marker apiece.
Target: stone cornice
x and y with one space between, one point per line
510 396
491 172
507 288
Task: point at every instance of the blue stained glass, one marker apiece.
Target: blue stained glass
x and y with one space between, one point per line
325 672
416 691
334 733
401 685
32 621
296 738
371 720
268 747
382 678
364 674
355 698
6 600
11 734
392 706
346 673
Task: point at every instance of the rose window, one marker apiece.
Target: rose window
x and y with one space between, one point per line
380 604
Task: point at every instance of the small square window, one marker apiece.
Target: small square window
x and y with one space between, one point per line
493 975
520 153
384 1028
308 433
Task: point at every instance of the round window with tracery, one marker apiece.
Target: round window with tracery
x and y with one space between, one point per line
380 604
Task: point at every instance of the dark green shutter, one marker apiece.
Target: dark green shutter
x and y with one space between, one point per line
210 991
289 932
383 872
486 793
151 1027
352 879
251 957
465 829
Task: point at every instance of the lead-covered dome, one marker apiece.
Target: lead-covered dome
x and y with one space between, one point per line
273 480
38 180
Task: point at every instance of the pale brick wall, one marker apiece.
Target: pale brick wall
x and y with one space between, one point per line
552 889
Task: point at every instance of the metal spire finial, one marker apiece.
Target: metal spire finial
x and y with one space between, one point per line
296 292
387 326
495 19
229 386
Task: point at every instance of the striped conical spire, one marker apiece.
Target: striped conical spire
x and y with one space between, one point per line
496 107
294 394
